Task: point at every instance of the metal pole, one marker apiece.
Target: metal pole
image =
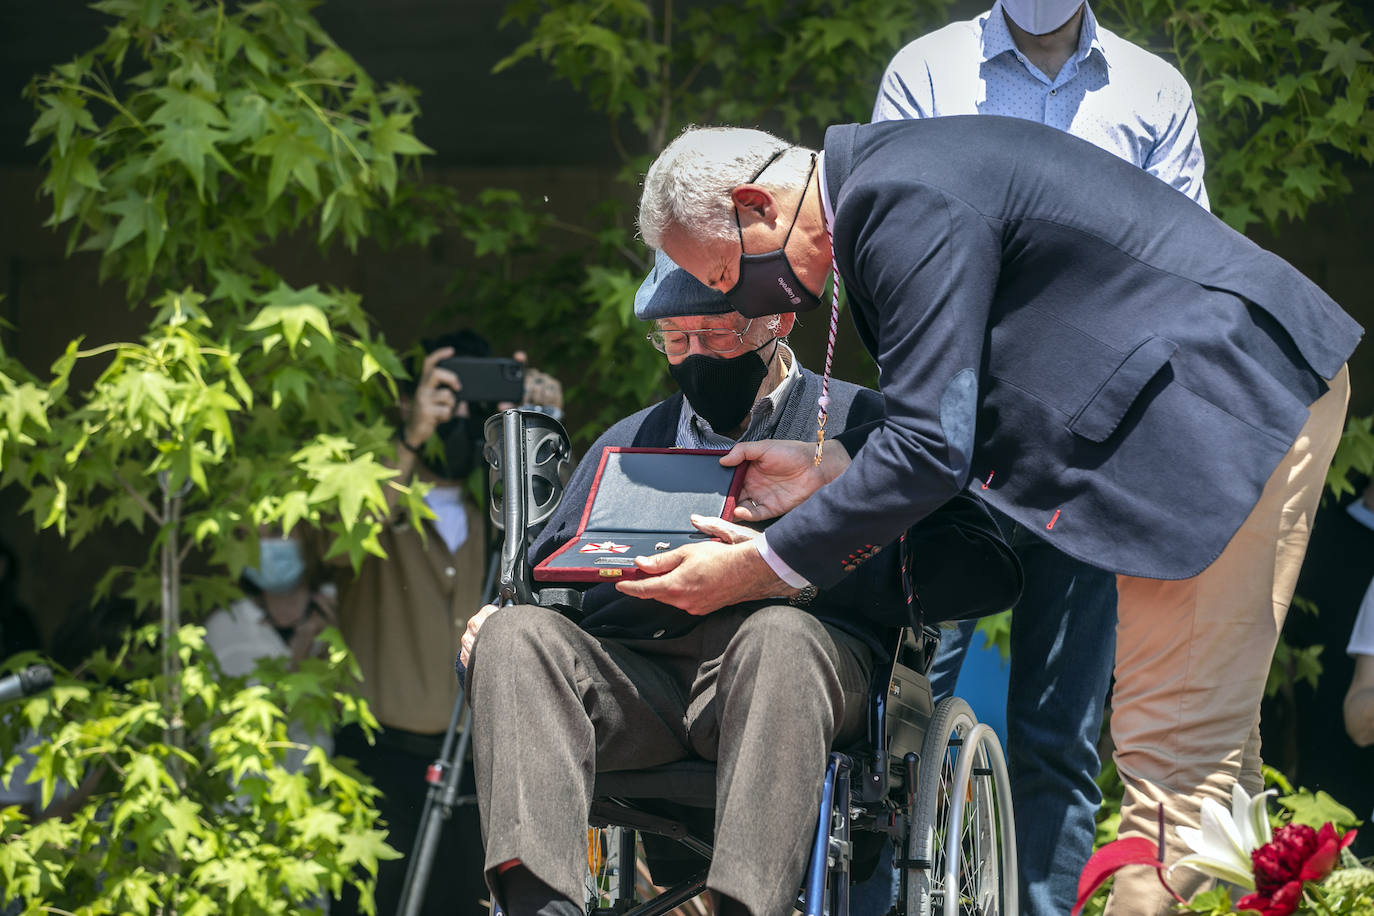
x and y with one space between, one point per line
444 773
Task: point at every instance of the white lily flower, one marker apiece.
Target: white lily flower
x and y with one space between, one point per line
1222 847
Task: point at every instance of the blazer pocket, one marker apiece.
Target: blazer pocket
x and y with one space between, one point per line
1099 418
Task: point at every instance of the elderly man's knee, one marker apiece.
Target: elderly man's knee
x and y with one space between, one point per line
780 635
515 634
783 622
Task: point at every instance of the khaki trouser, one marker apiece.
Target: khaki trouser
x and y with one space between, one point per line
1192 657
764 695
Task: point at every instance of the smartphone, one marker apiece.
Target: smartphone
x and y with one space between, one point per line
488 379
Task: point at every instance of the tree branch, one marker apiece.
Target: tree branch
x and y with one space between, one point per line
142 501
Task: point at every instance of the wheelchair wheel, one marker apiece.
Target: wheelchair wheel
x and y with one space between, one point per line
961 845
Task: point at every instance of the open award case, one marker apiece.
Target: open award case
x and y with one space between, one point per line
639 505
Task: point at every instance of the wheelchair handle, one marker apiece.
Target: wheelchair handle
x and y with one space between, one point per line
515 574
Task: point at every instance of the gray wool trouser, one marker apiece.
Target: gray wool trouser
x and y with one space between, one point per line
765 695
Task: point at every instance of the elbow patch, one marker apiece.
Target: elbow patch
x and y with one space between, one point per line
958 414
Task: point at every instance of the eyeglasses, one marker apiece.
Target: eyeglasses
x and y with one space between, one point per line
717 340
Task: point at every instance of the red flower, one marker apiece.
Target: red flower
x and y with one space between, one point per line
1296 854
1282 902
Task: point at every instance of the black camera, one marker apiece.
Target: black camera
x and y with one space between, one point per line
488 379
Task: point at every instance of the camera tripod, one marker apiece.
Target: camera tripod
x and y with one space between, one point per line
532 451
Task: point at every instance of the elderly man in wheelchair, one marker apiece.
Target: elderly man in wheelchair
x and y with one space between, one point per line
636 714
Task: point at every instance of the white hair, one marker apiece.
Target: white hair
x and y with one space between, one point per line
689 184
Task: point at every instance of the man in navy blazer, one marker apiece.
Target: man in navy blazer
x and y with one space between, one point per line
1077 342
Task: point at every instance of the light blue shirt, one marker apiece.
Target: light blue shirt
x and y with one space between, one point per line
1110 92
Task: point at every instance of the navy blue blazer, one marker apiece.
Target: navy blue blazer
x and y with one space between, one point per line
1076 341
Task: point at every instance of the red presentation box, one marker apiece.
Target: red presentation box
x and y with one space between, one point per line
639 505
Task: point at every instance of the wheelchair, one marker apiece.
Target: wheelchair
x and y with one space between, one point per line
928 779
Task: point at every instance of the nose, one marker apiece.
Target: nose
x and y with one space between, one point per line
697 347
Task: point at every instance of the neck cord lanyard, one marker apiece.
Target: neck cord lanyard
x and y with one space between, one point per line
823 401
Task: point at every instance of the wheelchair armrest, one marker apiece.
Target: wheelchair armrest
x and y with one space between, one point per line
567 601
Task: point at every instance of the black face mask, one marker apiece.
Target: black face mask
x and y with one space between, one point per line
462 448
722 391
767 284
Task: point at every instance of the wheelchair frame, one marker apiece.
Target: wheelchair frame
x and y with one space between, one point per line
938 788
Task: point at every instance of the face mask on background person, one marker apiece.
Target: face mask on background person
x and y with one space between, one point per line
766 283
281 565
1040 17
461 440
722 391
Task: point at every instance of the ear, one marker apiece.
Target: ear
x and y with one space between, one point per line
752 198
785 323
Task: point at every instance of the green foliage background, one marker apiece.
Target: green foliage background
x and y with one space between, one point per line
179 148
1282 92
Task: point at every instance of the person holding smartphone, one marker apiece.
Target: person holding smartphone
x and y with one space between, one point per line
403 617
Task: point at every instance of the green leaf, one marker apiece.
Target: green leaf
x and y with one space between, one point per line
190 146
22 402
357 543
316 824
290 382
70 177
1309 180
1347 55
393 136
1316 810
292 155
186 108
366 848
1316 24
996 630
182 815
232 285
352 484
293 320
64 113
234 875
137 216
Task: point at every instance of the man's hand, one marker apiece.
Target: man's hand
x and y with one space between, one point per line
436 399
717 527
781 475
705 577
470 635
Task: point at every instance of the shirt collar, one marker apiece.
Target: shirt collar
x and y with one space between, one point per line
1088 38
825 197
997 37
